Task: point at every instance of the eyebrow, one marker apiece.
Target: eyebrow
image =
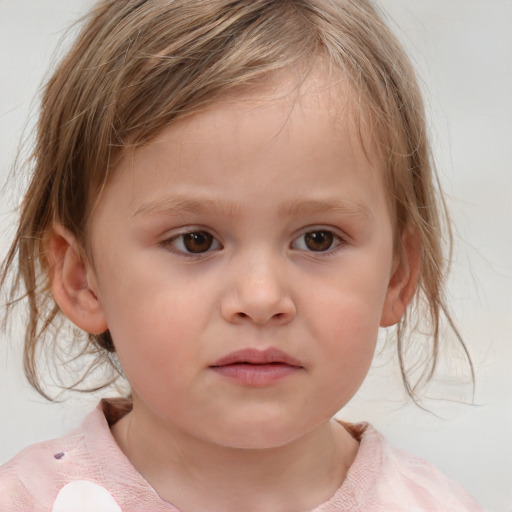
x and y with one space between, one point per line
185 204
337 206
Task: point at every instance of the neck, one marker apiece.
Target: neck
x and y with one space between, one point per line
194 475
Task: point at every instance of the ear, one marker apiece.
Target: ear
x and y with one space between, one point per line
73 282
404 279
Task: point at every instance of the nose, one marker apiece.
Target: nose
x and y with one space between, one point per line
258 292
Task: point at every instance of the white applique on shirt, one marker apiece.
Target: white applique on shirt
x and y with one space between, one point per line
84 496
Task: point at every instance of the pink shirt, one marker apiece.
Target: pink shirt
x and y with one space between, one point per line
86 471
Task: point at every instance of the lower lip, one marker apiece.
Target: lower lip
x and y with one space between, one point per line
256 375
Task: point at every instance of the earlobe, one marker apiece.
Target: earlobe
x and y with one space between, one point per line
404 279
72 282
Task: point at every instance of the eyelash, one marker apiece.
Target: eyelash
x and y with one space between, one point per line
180 238
335 241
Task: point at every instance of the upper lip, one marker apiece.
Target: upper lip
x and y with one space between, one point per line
257 356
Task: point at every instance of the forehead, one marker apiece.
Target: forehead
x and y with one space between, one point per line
282 152
260 125
286 99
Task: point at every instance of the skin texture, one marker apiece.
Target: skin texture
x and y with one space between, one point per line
264 174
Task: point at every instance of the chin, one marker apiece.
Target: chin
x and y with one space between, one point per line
261 434
256 441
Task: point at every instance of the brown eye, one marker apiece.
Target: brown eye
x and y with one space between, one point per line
192 243
319 241
197 242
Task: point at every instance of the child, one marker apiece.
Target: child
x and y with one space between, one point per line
230 198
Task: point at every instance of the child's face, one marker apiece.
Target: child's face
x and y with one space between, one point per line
257 225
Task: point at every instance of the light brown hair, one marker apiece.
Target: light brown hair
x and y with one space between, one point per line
137 66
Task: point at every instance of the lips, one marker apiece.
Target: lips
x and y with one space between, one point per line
258 357
257 368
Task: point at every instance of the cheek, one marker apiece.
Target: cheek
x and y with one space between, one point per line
345 322
150 320
347 358
351 345
147 295
348 305
158 354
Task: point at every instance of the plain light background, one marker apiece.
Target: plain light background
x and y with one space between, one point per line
463 52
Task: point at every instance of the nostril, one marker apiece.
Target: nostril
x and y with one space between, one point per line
259 310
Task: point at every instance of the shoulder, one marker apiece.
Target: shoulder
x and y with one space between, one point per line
423 482
392 479
61 474
84 470
32 479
